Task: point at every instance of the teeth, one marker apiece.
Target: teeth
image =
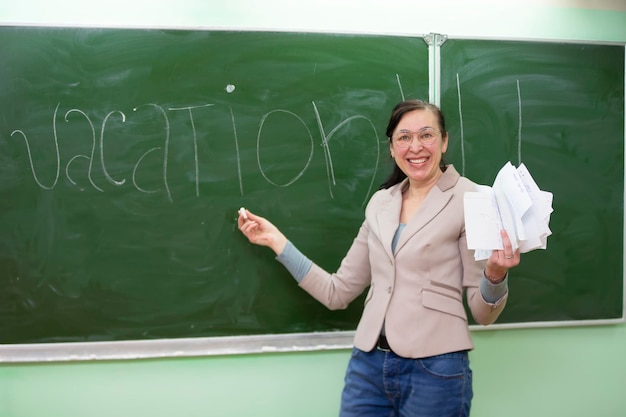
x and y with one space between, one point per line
417 161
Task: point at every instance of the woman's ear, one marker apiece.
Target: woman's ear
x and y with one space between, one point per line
444 144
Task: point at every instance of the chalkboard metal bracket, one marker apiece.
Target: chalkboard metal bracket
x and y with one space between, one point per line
434 42
435 39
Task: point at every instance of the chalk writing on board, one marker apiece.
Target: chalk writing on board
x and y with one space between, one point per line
195 141
400 86
329 163
258 145
98 152
458 90
67 166
519 127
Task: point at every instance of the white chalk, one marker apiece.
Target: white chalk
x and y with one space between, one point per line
242 211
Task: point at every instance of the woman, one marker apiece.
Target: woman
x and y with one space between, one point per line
410 347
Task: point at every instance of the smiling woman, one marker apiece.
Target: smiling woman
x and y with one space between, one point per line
421 162
412 255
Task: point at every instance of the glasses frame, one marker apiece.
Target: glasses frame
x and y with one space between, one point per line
417 134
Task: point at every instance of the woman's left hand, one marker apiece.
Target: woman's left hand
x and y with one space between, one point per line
501 261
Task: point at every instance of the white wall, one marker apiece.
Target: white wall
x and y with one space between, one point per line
536 19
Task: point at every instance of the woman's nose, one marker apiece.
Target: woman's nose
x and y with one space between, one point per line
415 144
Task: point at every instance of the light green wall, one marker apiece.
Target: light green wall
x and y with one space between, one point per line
574 372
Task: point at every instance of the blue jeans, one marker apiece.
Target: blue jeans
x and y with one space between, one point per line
383 384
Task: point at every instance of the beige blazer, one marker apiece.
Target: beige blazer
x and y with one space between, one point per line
416 291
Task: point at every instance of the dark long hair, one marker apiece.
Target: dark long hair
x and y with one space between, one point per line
398 112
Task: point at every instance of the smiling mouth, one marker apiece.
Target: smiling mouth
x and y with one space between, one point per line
417 161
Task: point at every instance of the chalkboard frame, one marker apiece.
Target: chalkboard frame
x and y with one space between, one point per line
229 345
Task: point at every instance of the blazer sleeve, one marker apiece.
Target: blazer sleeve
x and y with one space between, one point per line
483 312
337 290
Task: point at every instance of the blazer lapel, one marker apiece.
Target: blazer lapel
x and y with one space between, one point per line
436 200
388 217
433 204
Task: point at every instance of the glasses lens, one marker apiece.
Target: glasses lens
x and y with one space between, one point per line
403 139
427 136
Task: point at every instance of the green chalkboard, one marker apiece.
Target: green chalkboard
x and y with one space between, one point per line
559 109
126 153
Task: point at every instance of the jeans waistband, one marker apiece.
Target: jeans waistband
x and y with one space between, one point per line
383 346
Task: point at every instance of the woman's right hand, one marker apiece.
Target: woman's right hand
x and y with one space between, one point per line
261 232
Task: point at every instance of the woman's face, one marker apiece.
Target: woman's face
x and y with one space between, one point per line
411 148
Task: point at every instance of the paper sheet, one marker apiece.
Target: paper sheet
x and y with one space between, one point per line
514 203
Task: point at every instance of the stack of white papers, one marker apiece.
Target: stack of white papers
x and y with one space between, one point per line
514 203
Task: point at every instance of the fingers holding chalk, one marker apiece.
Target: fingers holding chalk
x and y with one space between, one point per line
247 226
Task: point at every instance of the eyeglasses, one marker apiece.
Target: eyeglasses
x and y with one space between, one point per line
426 136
